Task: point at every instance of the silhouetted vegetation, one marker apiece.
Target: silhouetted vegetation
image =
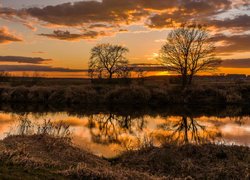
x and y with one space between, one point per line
187 51
108 60
127 95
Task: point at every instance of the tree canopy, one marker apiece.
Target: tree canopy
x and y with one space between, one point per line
188 50
108 60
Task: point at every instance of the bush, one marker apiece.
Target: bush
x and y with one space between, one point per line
39 94
159 96
83 96
19 94
128 95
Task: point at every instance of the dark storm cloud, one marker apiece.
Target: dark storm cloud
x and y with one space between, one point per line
232 44
21 59
7 37
66 35
31 68
236 63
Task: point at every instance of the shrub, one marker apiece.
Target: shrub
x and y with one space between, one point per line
128 95
19 94
83 96
39 94
159 96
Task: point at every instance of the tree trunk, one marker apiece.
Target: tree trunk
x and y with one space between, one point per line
190 79
185 129
110 75
184 81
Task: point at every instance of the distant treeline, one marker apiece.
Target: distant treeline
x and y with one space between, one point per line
127 95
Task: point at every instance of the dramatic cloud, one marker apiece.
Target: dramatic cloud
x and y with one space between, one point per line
165 20
16 68
116 12
241 22
236 63
189 10
21 59
7 37
233 43
78 13
66 35
124 11
112 15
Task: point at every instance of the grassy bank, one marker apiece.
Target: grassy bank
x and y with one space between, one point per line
127 95
41 156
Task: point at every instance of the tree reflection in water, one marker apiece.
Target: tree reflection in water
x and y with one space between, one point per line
187 130
132 130
111 128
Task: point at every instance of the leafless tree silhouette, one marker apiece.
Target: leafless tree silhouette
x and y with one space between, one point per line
188 50
108 128
107 60
188 130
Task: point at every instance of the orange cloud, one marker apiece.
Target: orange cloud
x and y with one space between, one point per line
233 43
115 13
6 36
66 35
236 63
21 59
240 23
39 68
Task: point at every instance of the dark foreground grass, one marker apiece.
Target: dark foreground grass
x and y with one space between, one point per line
45 157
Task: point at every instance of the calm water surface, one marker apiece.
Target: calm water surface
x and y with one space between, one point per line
107 134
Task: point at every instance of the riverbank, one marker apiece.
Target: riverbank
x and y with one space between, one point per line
131 95
42 156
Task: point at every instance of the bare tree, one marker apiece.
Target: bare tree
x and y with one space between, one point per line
188 130
188 50
107 60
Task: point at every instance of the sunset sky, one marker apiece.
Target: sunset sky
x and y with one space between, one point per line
54 37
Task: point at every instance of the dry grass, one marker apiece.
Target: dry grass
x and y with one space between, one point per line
207 161
39 156
58 156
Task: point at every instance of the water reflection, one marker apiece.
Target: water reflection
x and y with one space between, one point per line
26 126
108 128
186 130
108 132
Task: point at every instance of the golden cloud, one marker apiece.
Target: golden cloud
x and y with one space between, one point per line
6 36
68 36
